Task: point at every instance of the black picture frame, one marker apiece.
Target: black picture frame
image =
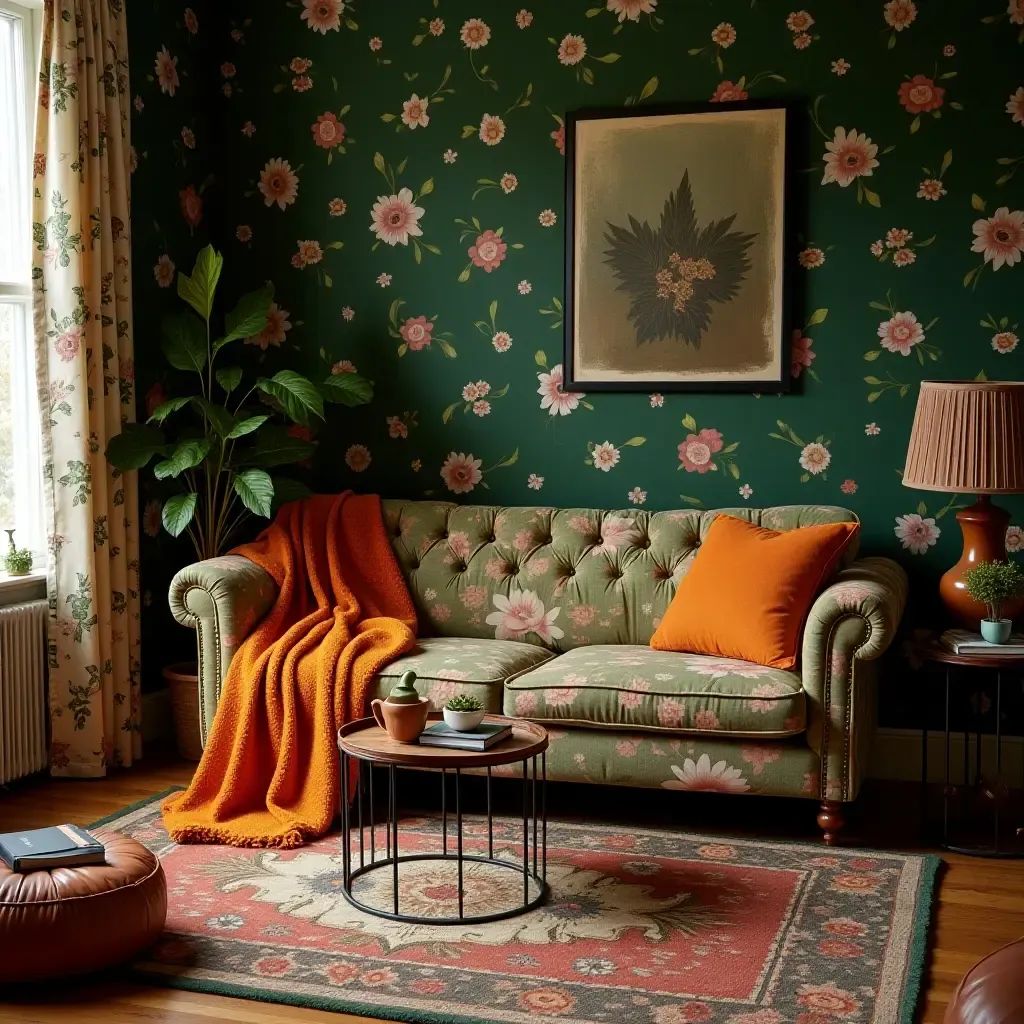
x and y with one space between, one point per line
791 146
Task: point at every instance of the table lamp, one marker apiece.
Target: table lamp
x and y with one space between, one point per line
968 438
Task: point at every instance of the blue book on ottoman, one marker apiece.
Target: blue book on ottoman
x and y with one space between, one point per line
60 846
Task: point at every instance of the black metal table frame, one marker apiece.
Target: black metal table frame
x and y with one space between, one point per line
994 851
354 816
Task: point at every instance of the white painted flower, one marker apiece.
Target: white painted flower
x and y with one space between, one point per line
916 534
901 333
554 399
701 775
657 400
872 429
461 472
524 287
1014 539
848 156
395 218
746 491
502 341
414 112
534 482
605 456
383 280
522 613
449 156
815 457
547 218
637 496
1005 342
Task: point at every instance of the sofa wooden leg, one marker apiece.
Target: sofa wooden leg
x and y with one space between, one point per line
831 820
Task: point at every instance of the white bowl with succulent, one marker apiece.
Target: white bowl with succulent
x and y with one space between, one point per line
463 713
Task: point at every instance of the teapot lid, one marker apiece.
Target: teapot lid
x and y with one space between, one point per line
404 692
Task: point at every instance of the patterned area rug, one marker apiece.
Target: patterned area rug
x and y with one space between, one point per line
641 926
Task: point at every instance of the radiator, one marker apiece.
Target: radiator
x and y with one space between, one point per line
22 689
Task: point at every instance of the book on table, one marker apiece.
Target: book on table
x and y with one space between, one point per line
59 846
483 737
963 641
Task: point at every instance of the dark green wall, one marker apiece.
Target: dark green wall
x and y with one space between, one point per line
970 50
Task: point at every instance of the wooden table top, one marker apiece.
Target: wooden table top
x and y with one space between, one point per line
365 739
998 662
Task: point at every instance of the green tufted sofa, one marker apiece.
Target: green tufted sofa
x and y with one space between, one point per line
547 614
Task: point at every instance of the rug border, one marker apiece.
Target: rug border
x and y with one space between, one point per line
931 864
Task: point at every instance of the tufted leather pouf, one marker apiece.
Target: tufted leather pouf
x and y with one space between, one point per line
992 991
75 920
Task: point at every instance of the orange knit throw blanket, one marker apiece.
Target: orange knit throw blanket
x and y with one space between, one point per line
269 773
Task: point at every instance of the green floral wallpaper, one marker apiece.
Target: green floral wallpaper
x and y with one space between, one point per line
397 170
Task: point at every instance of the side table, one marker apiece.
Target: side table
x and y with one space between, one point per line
954 668
370 749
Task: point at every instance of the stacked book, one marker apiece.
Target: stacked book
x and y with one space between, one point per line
963 641
483 737
61 846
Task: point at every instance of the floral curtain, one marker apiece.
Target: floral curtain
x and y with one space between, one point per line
83 324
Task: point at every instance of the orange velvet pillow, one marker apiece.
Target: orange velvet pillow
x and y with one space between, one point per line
749 590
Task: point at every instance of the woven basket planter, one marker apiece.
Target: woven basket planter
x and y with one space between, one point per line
183 681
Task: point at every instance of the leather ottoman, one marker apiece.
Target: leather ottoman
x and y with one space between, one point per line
992 991
75 920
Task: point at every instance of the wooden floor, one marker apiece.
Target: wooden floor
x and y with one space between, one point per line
980 903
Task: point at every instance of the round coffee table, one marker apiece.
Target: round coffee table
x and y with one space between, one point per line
371 749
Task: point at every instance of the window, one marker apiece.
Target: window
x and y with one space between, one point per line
21 504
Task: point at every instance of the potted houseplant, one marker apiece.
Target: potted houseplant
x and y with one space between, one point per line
992 583
215 444
17 561
463 713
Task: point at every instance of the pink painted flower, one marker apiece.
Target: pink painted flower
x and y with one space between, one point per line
343 366
553 398
337 207
328 131
166 68
901 333
815 458
727 92
895 238
302 83
309 252
920 95
877 247
1015 9
436 26
474 34
559 136
848 487
534 482
799 21
278 183
163 271
572 49
1015 105
322 15
488 251
848 156
723 35
394 218
188 138
547 218
903 257
376 43
299 65
524 287
637 496
502 341
275 329
68 342
524 19
915 533
449 156
702 776
357 457
800 354
509 183
481 407
396 428
461 473
415 332
840 67
605 456
899 14
191 22
802 40
1014 539
1000 238
522 613
191 204
228 70
657 400
811 258
696 451
414 112
248 129
872 429
1004 342
631 9
492 129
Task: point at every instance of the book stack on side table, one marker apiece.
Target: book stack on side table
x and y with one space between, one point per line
963 641
60 846
483 737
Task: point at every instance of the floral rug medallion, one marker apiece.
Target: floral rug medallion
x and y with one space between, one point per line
645 926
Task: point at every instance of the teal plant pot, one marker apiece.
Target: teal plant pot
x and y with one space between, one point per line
996 631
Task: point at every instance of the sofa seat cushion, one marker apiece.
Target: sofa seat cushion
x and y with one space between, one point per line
446 666
632 687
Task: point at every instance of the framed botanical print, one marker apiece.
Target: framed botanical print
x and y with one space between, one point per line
675 248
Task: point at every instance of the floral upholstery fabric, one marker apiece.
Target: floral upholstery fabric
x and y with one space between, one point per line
633 687
696 763
561 578
447 666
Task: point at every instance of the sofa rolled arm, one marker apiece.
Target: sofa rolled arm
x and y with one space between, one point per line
850 624
222 599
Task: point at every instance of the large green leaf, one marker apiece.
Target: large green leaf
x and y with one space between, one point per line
347 388
297 395
247 426
275 447
186 455
229 378
178 512
199 289
162 411
184 342
256 490
223 422
134 446
286 489
249 316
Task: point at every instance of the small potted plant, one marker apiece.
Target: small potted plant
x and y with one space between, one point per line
463 713
17 562
992 583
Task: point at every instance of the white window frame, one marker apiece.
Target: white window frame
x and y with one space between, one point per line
24 400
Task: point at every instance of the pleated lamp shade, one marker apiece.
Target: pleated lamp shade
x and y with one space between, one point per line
967 438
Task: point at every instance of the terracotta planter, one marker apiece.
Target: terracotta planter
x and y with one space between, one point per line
183 682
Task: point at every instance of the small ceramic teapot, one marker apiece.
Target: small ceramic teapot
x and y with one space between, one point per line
404 714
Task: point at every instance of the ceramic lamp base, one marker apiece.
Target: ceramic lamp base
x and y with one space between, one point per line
984 529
